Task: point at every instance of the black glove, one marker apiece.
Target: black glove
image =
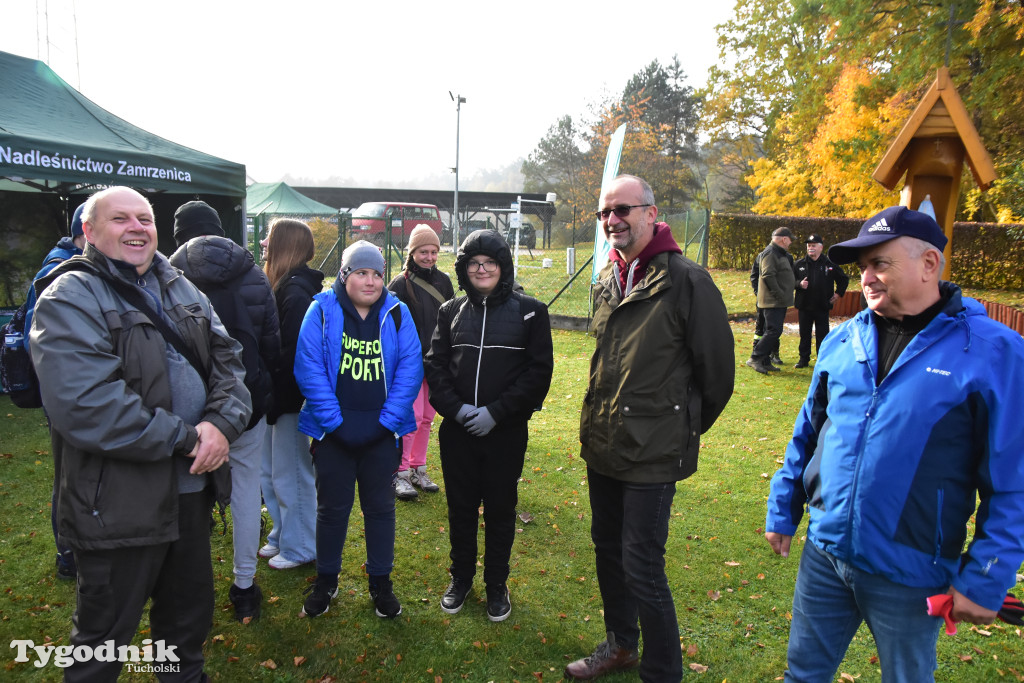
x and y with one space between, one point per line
1012 611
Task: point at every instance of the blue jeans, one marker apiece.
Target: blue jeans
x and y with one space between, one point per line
289 490
830 601
629 527
337 470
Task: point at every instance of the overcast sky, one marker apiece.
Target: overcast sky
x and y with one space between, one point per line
359 90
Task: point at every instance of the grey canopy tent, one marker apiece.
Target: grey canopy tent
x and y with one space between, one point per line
57 147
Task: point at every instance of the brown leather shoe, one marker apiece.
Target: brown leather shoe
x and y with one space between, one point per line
607 658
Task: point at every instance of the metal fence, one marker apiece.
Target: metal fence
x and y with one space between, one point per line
558 276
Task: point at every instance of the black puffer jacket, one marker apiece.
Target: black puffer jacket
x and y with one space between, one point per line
294 295
211 262
493 351
422 304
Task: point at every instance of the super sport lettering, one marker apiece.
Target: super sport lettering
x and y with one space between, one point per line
361 360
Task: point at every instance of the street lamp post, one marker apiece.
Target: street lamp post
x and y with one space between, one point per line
459 100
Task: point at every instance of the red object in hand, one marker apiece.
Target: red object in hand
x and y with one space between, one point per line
1012 611
942 606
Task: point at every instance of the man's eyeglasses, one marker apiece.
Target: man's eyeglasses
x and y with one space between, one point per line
620 211
488 266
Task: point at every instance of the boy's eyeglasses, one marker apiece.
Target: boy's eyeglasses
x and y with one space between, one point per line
488 266
620 211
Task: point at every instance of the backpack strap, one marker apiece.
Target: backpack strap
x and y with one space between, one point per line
137 299
427 287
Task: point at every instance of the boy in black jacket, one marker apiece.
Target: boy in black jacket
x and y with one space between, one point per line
489 368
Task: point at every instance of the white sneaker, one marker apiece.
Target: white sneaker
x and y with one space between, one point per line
419 478
404 489
268 551
279 562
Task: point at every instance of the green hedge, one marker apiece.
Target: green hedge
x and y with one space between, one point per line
985 255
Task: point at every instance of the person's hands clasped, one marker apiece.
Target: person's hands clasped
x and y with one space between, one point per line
464 413
211 450
480 423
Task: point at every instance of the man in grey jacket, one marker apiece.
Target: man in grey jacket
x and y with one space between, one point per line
141 421
774 296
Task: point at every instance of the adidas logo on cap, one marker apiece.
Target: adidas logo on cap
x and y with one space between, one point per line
880 226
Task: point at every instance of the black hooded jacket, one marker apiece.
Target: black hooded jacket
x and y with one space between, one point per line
211 263
492 351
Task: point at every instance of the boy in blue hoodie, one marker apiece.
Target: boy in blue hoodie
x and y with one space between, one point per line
359 365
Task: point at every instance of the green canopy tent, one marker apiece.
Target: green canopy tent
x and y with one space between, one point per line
268 200
57 147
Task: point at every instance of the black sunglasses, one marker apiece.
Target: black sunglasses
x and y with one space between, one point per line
620 211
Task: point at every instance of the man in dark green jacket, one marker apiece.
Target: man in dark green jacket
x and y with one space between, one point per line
661 374
774 296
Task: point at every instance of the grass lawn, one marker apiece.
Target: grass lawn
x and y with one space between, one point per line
732 594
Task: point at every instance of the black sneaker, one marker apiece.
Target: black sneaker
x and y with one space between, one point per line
320 595
247 602
455 597
498 604
67 570
384 600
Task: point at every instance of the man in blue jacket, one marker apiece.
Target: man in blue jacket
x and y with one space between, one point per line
912 415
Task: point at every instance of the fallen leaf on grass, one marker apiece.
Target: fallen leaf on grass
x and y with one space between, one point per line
691 650
299 661
269 664
699 668
232 659
847 677
966 658
732 564
526 517
714 595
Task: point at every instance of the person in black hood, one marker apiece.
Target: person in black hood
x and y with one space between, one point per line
241 295
489 368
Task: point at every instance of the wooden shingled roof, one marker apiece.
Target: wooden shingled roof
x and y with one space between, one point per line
940 114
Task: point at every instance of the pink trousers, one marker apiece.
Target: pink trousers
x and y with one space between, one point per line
414 445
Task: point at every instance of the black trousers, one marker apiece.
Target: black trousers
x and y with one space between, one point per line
482 470
114 585
819 321
769 343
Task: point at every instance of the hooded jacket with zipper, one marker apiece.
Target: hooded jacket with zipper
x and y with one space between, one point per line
889 473
492 351
210 262
776 279
102 369
662 370
318 358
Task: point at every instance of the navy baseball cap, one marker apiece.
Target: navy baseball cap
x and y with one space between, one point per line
896 221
